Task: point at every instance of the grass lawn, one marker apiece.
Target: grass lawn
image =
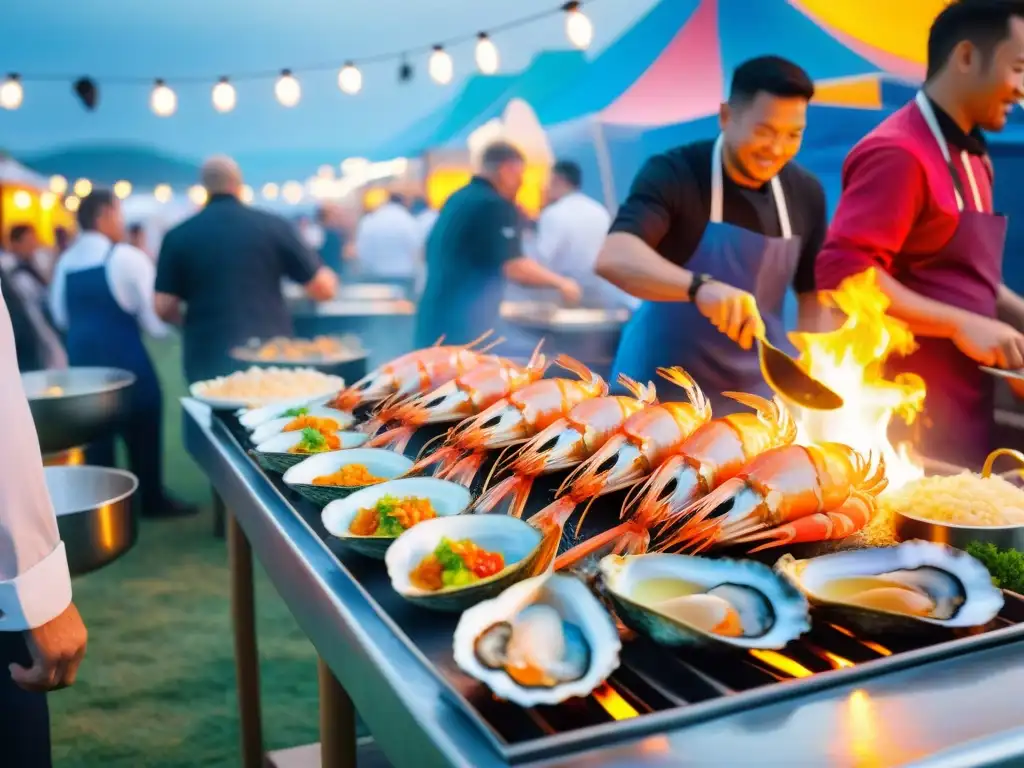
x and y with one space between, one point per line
157 688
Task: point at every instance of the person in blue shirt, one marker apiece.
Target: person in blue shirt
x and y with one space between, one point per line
474 246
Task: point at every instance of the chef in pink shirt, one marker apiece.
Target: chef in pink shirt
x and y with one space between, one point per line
917 206
42 638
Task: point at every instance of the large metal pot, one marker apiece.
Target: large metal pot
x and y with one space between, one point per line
76 406
94 514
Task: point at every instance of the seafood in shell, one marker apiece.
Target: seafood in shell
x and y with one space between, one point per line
679 600
906 588
541 641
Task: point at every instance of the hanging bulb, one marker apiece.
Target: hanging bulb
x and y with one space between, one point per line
578 28
163 100
22 200
122 189
82 187
58 185
269 191
440 66
405 71
350 79
224 96
197 194
71 203
287 89
11 92
162 193
292 192
47 200
487 59
246 194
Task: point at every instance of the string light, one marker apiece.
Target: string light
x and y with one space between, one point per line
350 79
269 191
246 194
122 189
292 192
224 96
162 193
82 187
163 100
287 89
22 200
440 66
197 194
58 185
47 200
487 59
578 28
71 203
11 92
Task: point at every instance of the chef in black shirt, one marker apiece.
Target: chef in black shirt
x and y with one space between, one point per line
712 235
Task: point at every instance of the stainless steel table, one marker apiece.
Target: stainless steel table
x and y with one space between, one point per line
959 711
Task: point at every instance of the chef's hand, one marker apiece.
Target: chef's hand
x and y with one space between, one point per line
571 292
1017 387
731 311
57 648
989 342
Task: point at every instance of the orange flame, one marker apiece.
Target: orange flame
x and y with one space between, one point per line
781 663
613 703
837 661
879 649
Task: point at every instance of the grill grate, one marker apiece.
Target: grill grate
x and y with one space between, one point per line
655 688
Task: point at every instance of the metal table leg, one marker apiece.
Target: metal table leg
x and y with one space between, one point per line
247 670
219 513
337 722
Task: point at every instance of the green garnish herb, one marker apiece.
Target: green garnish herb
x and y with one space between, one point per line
388 525
449 559
1006 566
312 440
294 413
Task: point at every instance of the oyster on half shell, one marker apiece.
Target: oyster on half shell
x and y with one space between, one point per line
541 641
680 600
905 588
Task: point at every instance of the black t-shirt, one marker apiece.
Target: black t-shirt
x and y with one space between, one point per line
669 206
226 263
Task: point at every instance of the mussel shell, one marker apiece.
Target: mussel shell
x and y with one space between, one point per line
252 418
982 602
578 608
518 541
275 427
620 575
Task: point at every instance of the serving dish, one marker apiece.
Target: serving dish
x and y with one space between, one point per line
378 461
273 454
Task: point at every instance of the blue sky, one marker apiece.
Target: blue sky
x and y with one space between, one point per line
190 38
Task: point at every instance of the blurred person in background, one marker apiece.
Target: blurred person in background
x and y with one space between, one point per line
329 220
220 273
137 237
42 637
570 233
18 267
102 296
425 218
474 247
388 241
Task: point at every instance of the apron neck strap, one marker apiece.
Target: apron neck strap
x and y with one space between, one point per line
717 181
928 113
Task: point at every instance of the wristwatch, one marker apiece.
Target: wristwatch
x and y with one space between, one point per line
696 283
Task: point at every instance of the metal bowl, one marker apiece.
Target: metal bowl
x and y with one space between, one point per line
90 403
94 514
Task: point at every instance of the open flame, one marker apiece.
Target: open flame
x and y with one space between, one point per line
849 360
782 663
879 649
613 703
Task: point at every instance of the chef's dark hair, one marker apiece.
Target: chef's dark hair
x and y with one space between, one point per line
499 153
92 207
18 231
570 172
769 74
983 23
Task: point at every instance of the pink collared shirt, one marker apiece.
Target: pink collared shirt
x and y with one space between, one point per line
35 585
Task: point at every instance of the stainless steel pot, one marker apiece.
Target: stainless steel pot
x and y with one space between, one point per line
76 406
94 514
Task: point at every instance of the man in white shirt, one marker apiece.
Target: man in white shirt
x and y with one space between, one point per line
570 233
18 265
388 241
102 295
42 638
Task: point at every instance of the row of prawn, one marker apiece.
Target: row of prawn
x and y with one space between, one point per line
683 467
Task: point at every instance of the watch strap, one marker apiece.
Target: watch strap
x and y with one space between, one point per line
696 283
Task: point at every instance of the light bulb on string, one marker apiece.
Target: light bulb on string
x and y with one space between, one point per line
440 66
224 96
197 195
122 189
350 79
82 187
287 89
47 200
269 191
71 203
162 193
22 200
578 28
58 185
292 192
11 92
245 194
163 101
487 59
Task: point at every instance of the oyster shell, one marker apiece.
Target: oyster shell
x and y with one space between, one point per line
273 454
905 588
519 543
379 462
680 600
275 427
541 641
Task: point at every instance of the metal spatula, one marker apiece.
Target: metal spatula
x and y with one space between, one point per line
791 382
1004 373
